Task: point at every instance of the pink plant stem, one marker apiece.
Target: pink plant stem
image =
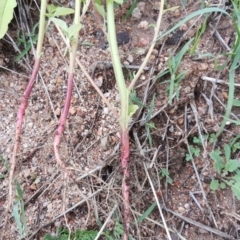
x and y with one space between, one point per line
20 117
126 176
62 122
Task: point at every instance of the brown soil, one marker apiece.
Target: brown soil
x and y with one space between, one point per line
90 145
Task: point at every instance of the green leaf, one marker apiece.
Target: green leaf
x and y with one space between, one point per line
150 109
232 165
100 10
212 138
219 165
19 190
231 89
145 214
6 15
23 217
214 185
51 9
148 135
118 230
129 12
169 180
16 216
132 109
151 125
195 151
119 1
164 172
73 29
236 177
180 55
188 157
236 190
234 140
192 15
197 140
222 185
236 102
60 23
227 151
62 11
135 99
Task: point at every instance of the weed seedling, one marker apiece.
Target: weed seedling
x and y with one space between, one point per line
19 213
165 174
173 65
63 234
229 169
26 42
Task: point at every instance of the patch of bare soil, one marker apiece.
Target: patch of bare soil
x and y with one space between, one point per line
90 146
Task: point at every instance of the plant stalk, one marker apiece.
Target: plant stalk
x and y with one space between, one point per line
64 114
24 101
123 120
123 91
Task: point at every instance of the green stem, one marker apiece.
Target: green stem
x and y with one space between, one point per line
41 28
74 44
123 91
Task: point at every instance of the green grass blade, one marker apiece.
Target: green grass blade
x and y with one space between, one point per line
145 214
230 91
19 190
150 109
192 15
17 218
23 218
181 53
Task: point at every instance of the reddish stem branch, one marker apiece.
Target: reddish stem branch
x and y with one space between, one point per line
125 152
62 121
20 117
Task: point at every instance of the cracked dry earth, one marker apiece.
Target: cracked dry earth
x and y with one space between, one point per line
90 145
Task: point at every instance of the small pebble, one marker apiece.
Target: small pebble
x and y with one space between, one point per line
181 209
177 13
130 58
104 143
143 25
187 89
203 67
105 111
72 110
186 206
136 14
141 6
143 42
58 111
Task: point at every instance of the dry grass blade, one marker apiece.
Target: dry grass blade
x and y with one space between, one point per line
65 212
200 225
105 223
158 204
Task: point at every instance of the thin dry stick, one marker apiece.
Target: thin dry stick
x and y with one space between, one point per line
90 79
105 223
216 80
150 49
97 89
157 201
200 225
67 211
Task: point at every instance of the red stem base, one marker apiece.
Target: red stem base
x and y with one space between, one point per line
125 184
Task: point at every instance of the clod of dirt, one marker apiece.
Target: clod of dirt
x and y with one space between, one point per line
123 38
175 37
